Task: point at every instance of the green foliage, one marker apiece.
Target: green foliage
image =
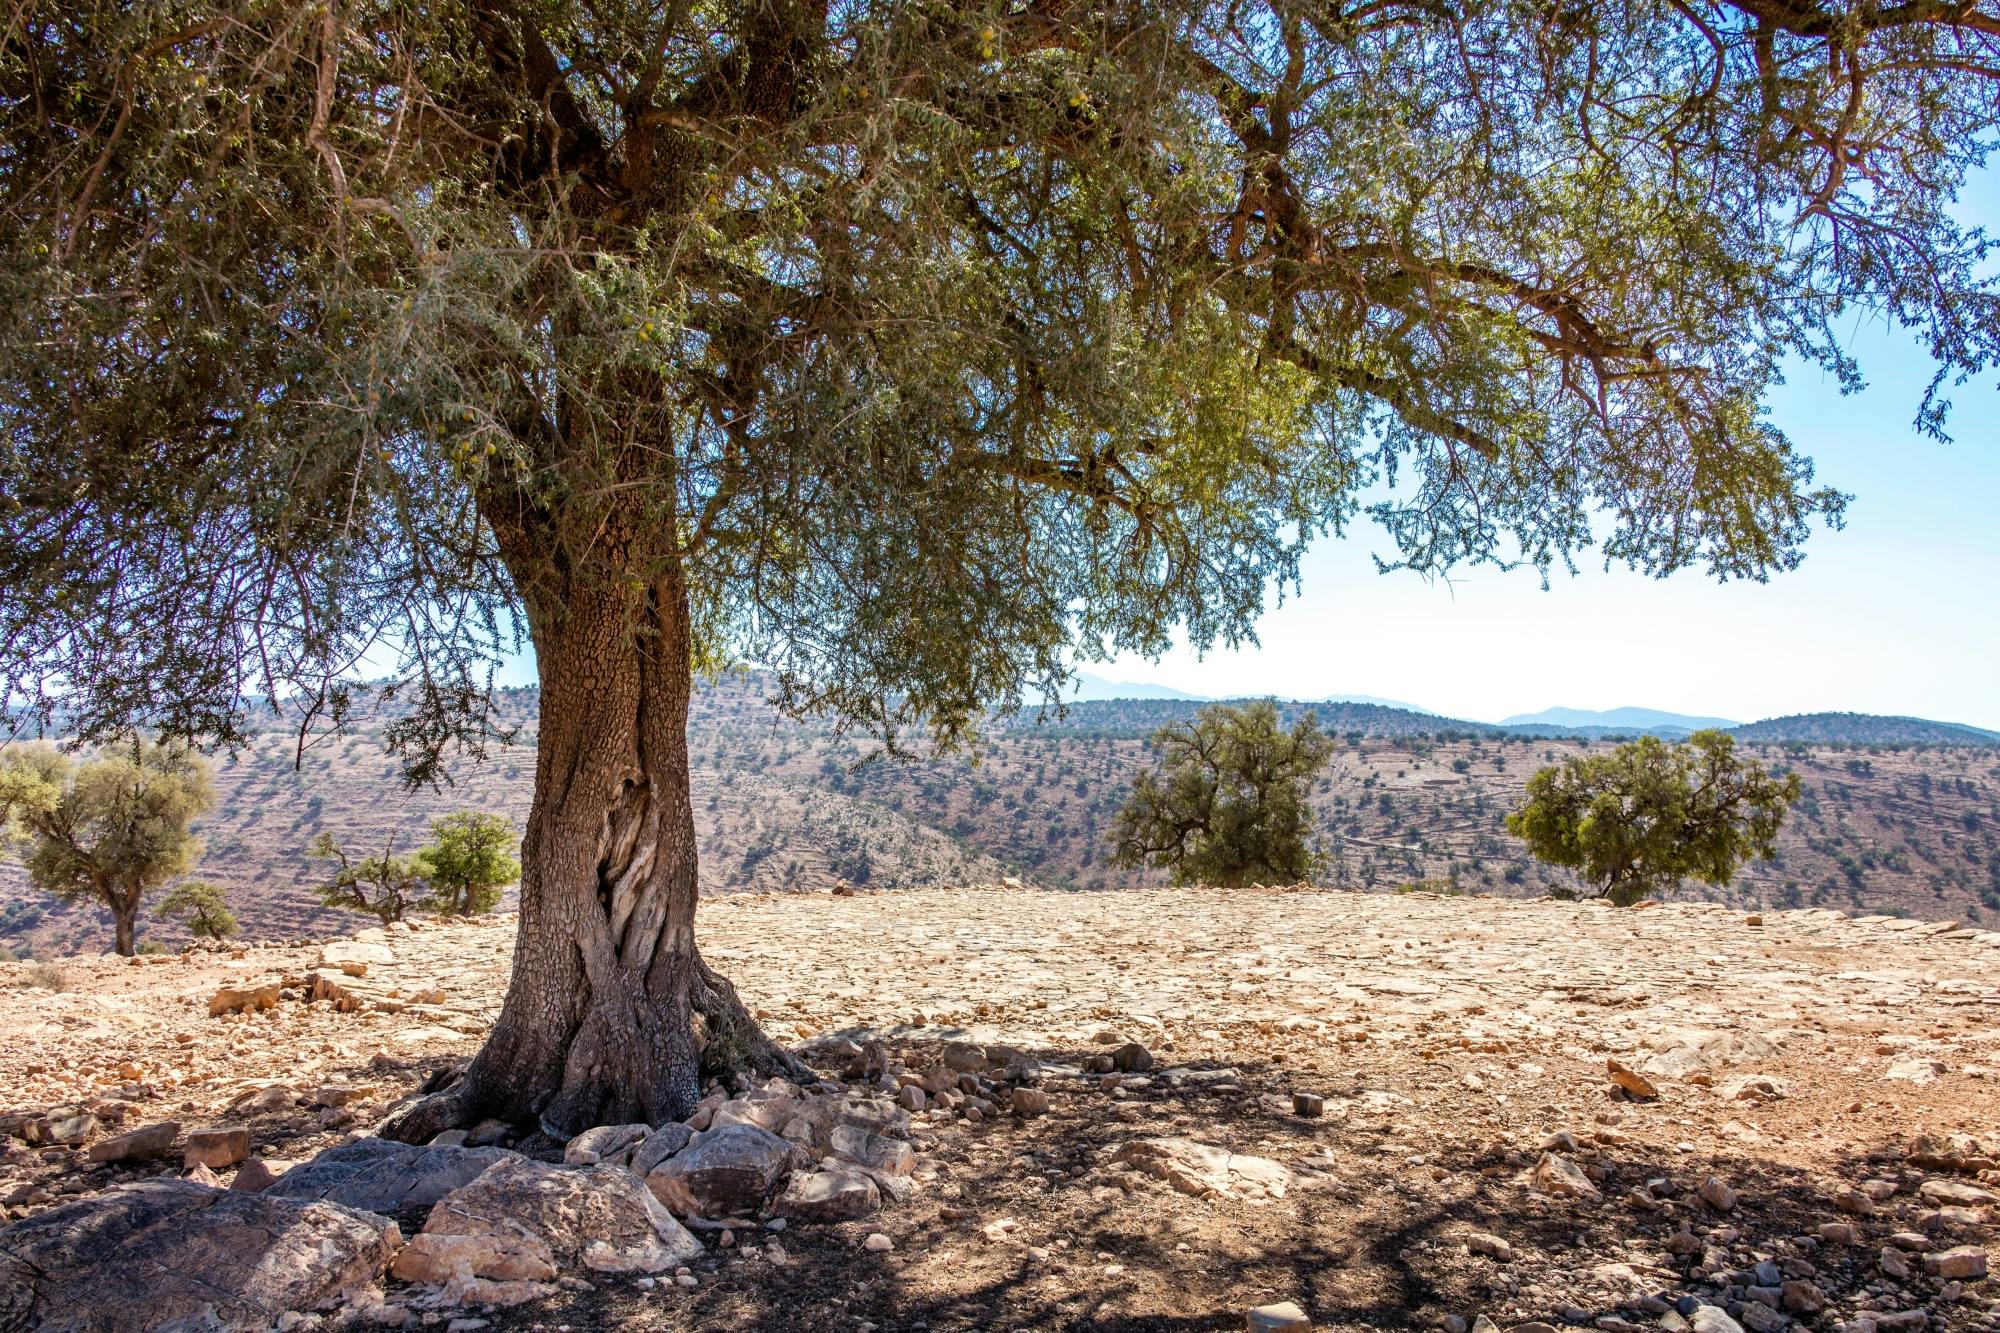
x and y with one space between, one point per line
1227 802
385 886
469 861
1642 818
109 829
202 907
916 348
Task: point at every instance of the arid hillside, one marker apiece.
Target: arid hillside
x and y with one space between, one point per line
786 806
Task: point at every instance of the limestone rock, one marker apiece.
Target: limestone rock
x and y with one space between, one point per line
144 1144
1201 1169
254 1176
600 1217
724 1172
1132 1058
1716 1193
216 1148
877 1152
658 1146
1753 1088
1631 1080
1956 1192
611 1144
964 1057
1558 1175
838 1195
166 1253
1713 1319
382 1176
245 997
1967 1263
365 952
1284 1317
447 1260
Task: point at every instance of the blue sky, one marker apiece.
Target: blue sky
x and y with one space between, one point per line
1899 612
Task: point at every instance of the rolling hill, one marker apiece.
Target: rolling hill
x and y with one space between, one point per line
1906 823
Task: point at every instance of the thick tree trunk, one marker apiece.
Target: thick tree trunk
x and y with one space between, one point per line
125 927
599 1022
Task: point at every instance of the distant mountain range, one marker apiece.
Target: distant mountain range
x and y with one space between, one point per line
1137 716
1392 717
1630 719
1096 689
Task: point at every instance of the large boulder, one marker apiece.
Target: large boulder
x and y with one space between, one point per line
382 1176
522 1216
163 1253
730 1171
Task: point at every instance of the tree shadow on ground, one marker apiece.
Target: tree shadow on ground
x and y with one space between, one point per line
1369 1236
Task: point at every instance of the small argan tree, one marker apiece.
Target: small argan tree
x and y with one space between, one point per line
201 906
109 829
1227 803
470 859
386 886
912 350
1648 815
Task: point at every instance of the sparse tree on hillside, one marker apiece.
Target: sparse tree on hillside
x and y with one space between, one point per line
201 906
1646 816
470 860
1228 801
386 886
912 349
109 829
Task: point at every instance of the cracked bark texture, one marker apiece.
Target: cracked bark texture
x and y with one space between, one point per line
599 1025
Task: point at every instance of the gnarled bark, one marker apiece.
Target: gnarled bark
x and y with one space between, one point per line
598 1026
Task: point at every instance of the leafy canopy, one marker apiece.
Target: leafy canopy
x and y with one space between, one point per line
1228 801
1642 818
109 829
921 347
202 907
469 861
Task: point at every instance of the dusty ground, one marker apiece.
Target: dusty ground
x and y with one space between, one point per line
1450 1037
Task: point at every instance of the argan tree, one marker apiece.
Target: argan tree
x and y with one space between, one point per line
912 351
387 887
470 859
107 830
1646 816
200 906
1227 803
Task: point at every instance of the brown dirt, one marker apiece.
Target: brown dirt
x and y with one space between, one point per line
1450 1038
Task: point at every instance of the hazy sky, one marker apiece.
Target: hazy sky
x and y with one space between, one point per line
1899 612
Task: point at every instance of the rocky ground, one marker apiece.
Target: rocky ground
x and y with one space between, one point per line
1153 1109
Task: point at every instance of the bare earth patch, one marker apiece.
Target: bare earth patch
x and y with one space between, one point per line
1814 1073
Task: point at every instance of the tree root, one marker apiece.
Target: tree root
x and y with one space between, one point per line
738 1047
738 1053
